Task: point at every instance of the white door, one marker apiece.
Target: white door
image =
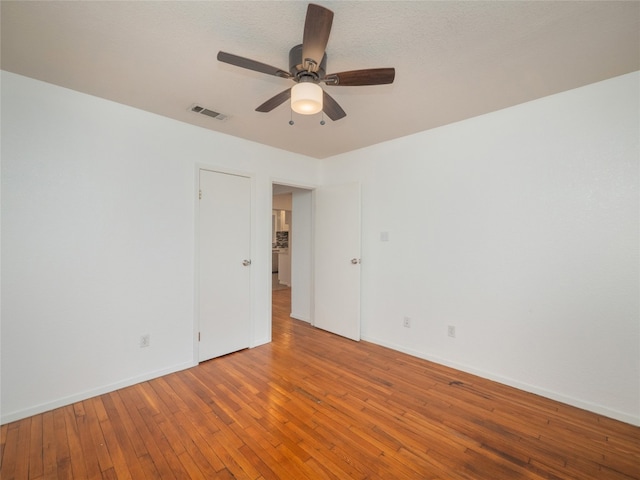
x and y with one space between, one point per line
337 260
224 247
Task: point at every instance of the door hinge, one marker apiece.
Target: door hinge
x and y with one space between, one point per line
198 336
199 194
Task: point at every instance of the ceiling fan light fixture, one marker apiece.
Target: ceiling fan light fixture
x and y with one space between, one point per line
306 98
307 67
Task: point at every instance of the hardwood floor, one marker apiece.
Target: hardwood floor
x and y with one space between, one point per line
311 405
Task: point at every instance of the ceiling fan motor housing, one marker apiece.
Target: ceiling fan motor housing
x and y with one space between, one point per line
296 67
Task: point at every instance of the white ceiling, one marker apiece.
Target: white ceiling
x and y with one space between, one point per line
453 59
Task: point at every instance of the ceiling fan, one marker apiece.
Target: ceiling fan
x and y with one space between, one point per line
307 67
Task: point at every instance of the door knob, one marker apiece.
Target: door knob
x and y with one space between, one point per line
246 263
355 261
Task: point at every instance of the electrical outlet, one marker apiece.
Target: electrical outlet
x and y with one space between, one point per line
451 330
145 340
407 322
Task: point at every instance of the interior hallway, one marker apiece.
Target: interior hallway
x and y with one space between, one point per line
275 285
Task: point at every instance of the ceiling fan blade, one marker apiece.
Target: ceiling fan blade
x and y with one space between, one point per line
317 28
331 107
275 101
252 65
355 78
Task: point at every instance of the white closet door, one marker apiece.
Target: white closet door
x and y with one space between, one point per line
224 256
337 260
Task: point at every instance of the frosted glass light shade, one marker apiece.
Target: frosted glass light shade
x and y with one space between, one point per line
306 98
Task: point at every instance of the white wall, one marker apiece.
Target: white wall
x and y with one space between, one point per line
520 228
98 205
301 255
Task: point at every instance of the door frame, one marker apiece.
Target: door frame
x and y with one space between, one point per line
311 189
196 253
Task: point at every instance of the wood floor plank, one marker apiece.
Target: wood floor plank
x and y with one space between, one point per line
3 440
96 436
187 425
36 465
159 453
24 447
86 442
124 465
312 405
10 453
191 468
234 460
125 426
49 453
63 455
192 441
257 463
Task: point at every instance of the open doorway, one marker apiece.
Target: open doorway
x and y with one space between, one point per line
281 232
292 248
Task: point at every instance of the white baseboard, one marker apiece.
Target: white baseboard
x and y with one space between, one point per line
575 402
259 342
304 318
78 397
61 402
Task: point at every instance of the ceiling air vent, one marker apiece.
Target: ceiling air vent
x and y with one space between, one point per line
209 113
